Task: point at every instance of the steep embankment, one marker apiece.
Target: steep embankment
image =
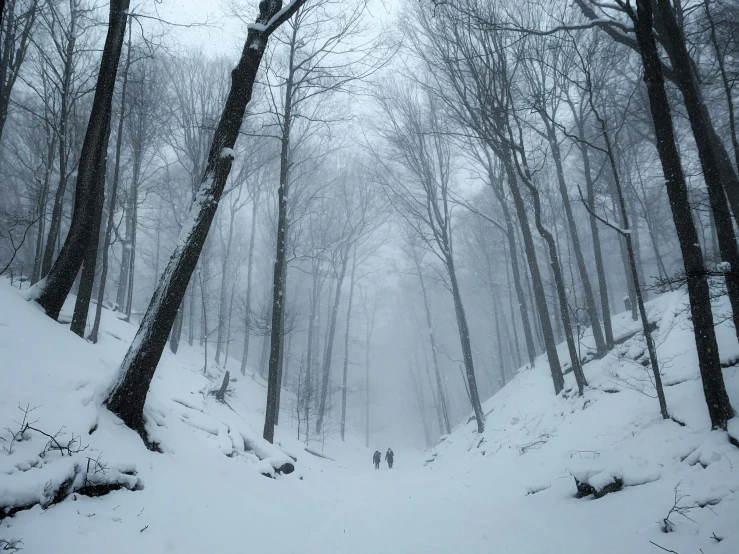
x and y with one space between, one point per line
536 446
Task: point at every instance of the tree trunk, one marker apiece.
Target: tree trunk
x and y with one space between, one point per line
367 390
557 316
264 354
312 343
53 290
514 338
434 357
326 377
222 304
204 319
595 234
541 301
717 399
499 342
558 281
191 315
630 286
125 257
278 286
435 397
420 401
87 278
651 228
203 280
626 232
249 273
282 362
229 320
635 241
134 226
41 205
128 394
346 341
113 200
464 337
511 236
600 344
699 123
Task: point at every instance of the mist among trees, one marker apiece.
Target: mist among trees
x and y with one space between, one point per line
424 197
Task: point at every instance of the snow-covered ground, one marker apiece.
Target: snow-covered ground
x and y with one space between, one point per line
511 490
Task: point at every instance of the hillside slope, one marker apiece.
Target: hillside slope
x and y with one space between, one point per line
213 462
536 446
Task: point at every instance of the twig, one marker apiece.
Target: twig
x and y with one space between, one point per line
663 548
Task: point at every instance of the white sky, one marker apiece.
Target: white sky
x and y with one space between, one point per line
222 35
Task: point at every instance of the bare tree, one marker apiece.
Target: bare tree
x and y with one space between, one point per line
415 253
109 226
624 230
321 49
544 68
422 194
358 215
18 19
83 234
64 66
719 406
471 77
128 394
370 308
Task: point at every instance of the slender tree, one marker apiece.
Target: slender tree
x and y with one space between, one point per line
128 393
719 406
421 196
53 290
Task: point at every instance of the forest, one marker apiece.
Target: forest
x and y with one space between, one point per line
381 213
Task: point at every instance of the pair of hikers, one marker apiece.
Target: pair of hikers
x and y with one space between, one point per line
388 458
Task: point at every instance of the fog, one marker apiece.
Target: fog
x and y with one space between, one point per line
494 240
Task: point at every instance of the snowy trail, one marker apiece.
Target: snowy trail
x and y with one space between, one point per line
412 509
407 509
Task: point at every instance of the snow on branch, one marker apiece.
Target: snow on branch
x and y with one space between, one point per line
277 19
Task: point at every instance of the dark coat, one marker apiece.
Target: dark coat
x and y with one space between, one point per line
376 457
389 456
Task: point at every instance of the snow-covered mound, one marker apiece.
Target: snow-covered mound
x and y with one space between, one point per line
672 482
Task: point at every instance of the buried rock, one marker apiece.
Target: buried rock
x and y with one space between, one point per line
598 485
267 468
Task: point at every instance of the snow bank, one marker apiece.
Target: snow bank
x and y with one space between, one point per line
59 388
611 447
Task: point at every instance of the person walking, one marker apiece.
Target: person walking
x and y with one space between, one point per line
376 459
389 457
